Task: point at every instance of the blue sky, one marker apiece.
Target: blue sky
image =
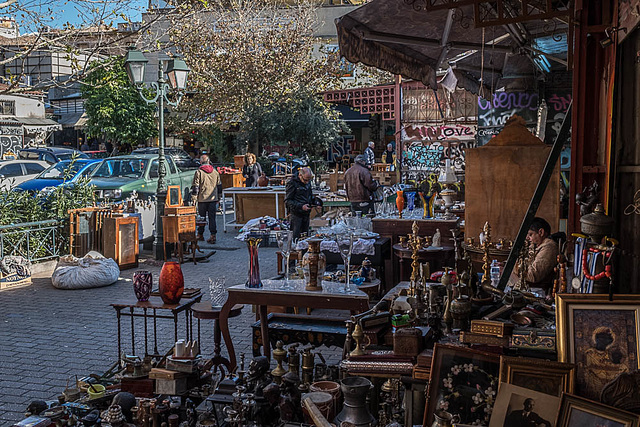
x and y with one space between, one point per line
65 11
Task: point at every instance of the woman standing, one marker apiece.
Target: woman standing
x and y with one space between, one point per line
251 170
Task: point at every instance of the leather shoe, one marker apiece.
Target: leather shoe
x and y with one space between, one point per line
211 239
200 237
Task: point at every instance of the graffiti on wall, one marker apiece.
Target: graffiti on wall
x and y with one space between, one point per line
343 145
493 114
10 140
427 147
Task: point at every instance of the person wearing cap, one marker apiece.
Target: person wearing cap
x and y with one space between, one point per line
360 185
370 156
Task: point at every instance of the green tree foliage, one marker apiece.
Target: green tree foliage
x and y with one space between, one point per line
114 107
299 122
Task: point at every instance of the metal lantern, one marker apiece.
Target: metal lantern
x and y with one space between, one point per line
177 71
135 63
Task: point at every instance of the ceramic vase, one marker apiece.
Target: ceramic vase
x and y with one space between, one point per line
400 202
171 282
314 264
142 282
253 276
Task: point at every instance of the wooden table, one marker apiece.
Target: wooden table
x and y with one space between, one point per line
270 294
154 304
204 310
436 257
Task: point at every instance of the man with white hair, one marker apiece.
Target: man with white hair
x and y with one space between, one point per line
299 200
370 155
205 185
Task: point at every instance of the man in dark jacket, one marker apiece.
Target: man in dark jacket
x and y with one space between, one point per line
299 200
359 185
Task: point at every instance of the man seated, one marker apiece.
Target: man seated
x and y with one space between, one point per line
540 272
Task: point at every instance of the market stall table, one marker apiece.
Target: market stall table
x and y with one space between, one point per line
271 294
252 202
154 304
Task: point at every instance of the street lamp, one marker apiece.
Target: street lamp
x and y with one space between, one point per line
177 71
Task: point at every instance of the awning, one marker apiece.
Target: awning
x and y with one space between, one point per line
71 120
399 37
35 124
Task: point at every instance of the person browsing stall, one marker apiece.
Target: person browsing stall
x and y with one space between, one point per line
251 170
205 185
360 185
370 156
299 201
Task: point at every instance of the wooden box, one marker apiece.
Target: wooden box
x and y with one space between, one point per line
174 387
165 374
407 342
491 327
249 206
492 194
139 387
230 180
238 161
120 240
180 228
474 338
182 365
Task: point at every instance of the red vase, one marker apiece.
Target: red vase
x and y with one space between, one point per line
171 282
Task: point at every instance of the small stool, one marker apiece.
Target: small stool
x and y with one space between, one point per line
203 310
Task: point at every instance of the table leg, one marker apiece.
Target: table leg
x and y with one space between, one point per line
217 341
224 328
264 330
200 342
187 330
133 334
119 333
155 334
175 327
146 339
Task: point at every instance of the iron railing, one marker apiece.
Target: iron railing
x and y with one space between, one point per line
35 241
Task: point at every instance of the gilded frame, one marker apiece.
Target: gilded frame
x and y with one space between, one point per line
594 410
562 375
623 314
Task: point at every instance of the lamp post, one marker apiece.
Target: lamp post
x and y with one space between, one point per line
177 72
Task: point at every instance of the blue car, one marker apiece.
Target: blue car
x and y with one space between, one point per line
54 175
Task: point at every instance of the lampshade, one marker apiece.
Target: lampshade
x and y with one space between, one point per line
447 174
135 63
177 71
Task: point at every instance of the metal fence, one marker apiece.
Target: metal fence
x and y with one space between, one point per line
35 241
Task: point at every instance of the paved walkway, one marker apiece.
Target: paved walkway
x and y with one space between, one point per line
49 336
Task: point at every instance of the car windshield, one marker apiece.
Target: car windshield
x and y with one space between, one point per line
130 168
57 171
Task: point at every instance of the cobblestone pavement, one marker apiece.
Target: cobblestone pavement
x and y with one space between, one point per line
49 335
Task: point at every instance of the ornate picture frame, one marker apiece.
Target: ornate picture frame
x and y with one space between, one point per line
599 336
579 412
543 376
464 382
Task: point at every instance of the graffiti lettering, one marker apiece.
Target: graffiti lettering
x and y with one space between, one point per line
509 100
433 133
559 103
10 144
340 147
430 157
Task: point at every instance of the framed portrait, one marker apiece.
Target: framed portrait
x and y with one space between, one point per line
174 196
518 406
599 336
464 382
547 377
579 412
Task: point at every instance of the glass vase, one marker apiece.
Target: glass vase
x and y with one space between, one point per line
253 279
142 282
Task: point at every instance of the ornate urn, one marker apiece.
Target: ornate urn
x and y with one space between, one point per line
313 264
596 225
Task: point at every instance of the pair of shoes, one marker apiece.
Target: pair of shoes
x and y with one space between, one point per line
211 239
200 237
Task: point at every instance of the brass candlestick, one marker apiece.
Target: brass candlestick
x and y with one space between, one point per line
415 243
279 354
358 336
486 266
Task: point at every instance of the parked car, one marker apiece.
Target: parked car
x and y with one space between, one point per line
54 175
13 172
100 154
116 178
181 158
50 154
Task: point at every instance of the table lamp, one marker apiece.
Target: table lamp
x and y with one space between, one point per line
447 178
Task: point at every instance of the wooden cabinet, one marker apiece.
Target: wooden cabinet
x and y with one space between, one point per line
230 180
120 240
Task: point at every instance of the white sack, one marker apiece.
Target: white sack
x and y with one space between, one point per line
91 271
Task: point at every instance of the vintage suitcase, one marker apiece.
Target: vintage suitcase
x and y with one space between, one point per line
407 342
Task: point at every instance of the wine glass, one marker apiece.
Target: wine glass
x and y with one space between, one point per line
345 246
285 239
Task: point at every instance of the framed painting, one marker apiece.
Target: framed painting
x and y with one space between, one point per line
579 412
547 377
464 382
520 407
599 336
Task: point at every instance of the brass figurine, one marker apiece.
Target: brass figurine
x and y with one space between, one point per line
279 354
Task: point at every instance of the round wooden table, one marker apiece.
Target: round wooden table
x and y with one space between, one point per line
203 310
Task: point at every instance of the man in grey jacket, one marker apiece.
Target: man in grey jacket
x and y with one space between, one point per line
205 184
